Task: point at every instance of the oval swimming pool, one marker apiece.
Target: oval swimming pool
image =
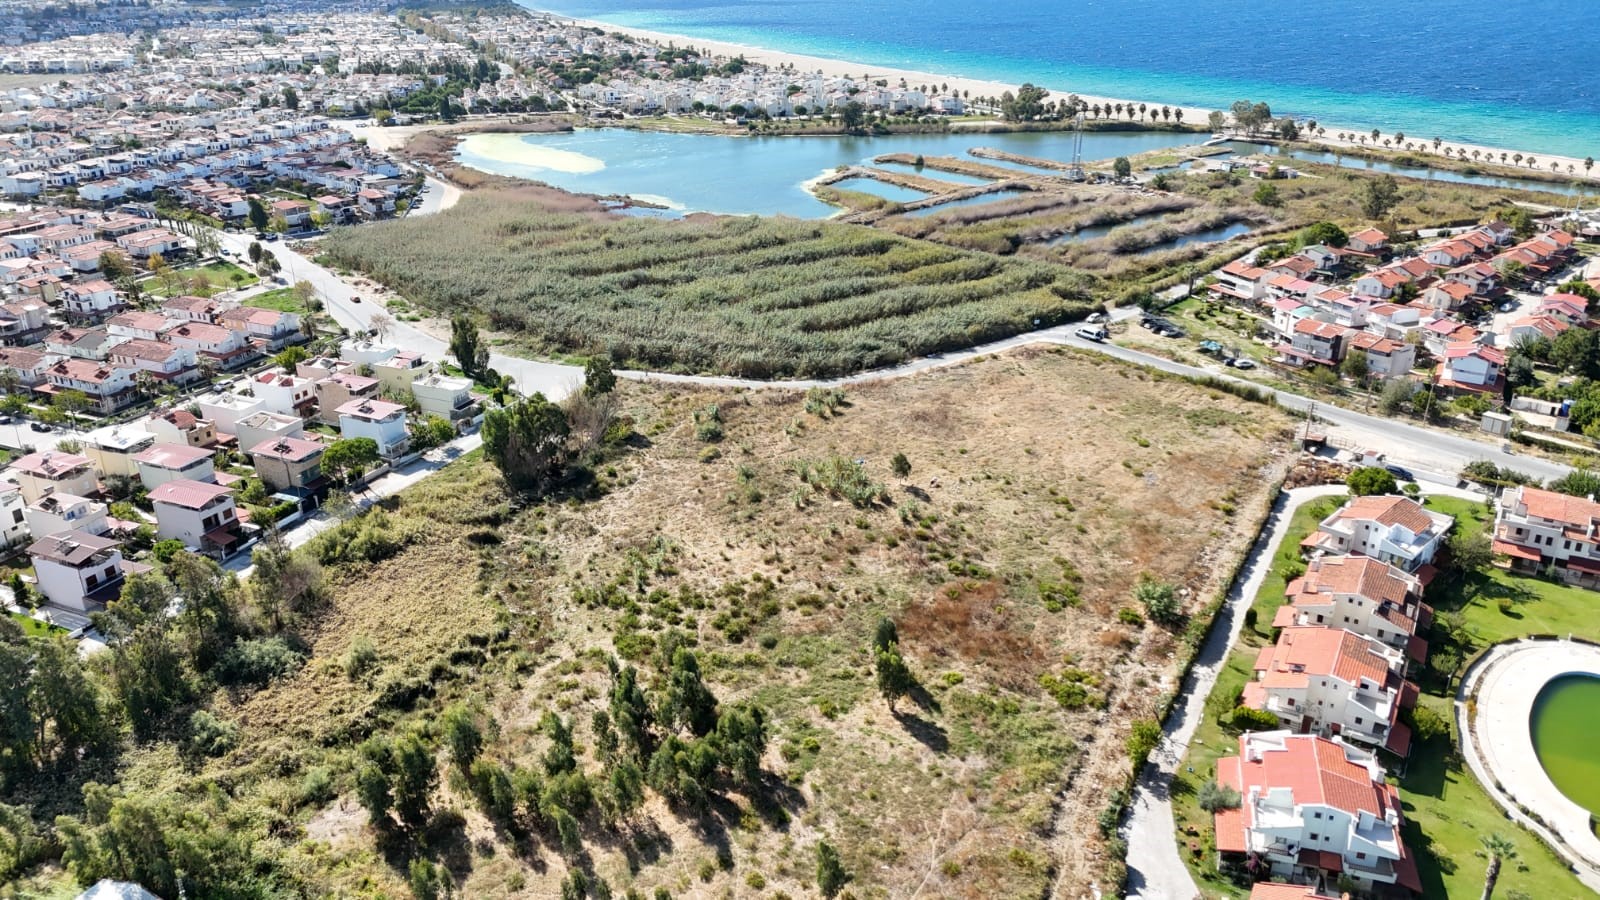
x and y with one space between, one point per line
1565 725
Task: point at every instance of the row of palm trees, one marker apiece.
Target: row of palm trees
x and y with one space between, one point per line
1398 142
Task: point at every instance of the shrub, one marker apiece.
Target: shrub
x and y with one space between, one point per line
361 658
209 735
1245 718
842 478
1144 738
1160 601
1214 796
258 661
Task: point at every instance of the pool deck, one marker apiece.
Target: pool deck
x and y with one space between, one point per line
1498 744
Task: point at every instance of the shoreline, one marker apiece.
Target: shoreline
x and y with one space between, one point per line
981 87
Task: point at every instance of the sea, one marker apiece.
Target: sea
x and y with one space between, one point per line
1521 74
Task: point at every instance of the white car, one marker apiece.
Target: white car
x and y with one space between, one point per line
1092 333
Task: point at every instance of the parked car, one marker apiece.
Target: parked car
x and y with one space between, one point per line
1096 318
1241 362
39 426
1094 333
1210 347
1400 473
1171 331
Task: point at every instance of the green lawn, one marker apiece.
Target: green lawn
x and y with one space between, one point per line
1447 810
281 299
33 626
220 275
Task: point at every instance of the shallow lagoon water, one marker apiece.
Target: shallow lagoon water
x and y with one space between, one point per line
747 175
1566 736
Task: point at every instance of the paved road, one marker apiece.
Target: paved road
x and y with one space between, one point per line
1426 451
1155 868
340 301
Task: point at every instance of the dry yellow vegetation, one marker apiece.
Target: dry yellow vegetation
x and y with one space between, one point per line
1044 484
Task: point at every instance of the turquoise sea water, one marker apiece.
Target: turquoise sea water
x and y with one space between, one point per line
1519 74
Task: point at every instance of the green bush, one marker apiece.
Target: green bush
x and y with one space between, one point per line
258 661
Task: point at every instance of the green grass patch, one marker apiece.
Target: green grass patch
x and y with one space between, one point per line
33 626
280 299
218 277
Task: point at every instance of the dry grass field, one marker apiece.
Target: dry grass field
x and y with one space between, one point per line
1043 486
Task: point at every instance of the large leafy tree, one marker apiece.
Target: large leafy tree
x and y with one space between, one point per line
526 440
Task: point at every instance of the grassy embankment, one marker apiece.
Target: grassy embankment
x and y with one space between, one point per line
1447 810
1052 498
743 296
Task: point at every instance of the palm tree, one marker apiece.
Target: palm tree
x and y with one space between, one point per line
1498 849
1178 114
1436 142
1398 137
1588 163
1516 158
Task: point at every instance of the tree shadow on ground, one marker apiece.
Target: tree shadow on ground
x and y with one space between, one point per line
927 732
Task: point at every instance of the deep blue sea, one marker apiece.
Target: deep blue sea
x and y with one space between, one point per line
1523 74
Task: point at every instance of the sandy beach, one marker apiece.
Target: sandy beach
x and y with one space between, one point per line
980 88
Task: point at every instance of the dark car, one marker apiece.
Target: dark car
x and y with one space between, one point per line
39 426
1400 473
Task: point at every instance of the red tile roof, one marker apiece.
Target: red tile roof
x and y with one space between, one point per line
187 494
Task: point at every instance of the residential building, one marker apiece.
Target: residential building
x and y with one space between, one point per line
1386 358
1328 681
1472 367
169 462
227 409
113 448
1314 343
264 426
109 386
79 571
400 371
1314 809
226 348
180 426
1394 530
1363 595
162 361
1543 531
445 396
54 472
340 388
380 420
284 394
289 465
200 514
23 322
13 516
65 512
267 328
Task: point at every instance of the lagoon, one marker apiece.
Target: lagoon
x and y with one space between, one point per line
1373 165
748 175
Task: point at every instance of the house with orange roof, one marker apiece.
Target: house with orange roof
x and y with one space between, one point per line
1447 296
1241 281
1472 367
1536 326
1479 276
1330 681
1371 241
1395 530
1363 595
1381 283
1543 531
201 514
1314 809
1386 357
1314 343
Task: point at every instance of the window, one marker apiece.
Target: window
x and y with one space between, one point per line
1313 835
1358 720
1361 856
16 515
1316 815
1289 701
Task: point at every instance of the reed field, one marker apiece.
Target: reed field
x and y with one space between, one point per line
754 297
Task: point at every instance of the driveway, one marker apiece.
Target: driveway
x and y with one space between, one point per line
1155 868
